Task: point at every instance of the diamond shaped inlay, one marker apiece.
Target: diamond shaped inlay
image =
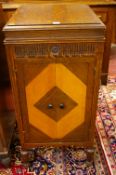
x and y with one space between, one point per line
55 104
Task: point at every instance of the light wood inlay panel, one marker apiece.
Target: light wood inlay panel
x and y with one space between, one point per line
69 84
39 119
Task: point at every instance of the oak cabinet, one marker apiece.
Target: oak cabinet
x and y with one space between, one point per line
7 119
55 55
106 14
7 124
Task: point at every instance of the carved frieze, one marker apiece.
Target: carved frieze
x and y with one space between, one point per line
54 50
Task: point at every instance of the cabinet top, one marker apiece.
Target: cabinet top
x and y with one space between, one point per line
53 15
53 21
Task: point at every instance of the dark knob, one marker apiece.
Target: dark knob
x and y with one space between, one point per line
61 105
50 106
55 50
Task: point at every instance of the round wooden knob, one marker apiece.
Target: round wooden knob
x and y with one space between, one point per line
50 106
61 105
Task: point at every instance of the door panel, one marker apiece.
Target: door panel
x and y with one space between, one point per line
56 99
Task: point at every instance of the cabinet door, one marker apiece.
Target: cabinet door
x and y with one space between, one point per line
75 77
55 98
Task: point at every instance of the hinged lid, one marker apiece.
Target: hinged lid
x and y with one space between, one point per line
53 16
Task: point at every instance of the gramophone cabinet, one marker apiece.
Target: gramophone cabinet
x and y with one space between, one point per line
54 53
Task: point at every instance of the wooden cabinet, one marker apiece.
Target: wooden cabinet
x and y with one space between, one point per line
55 54
3 63
7 124
106 14
7 119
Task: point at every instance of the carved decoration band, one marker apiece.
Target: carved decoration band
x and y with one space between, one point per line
54 50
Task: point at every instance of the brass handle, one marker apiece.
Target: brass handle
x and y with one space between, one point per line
50 106
61 105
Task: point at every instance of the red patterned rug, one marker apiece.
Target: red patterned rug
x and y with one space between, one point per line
72 160
106 126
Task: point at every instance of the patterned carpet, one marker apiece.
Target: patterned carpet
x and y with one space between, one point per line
70 160
106 125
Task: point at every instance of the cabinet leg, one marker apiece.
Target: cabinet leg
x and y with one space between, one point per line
104 79
90 154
